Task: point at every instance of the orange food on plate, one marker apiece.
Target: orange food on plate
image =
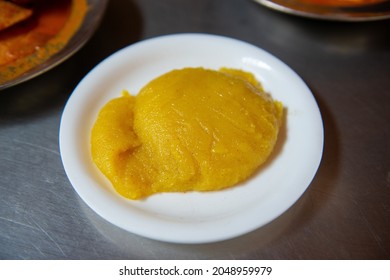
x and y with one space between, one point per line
11 14
31 41
192 129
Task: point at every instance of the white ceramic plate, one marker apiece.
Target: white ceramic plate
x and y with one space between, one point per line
194 217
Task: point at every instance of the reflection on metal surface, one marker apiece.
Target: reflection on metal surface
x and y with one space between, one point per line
371 12
133 246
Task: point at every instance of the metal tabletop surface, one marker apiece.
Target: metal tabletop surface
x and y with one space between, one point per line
345 212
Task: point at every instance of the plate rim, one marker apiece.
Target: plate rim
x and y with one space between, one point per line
329 13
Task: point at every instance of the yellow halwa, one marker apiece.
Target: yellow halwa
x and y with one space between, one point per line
192 129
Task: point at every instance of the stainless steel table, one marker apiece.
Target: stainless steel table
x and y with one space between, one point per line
345 213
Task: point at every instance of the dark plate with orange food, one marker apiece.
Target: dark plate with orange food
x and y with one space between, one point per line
337 10
36 35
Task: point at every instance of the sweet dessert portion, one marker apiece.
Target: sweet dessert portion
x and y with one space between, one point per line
191 129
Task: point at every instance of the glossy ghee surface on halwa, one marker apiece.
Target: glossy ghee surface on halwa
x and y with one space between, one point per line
192 129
